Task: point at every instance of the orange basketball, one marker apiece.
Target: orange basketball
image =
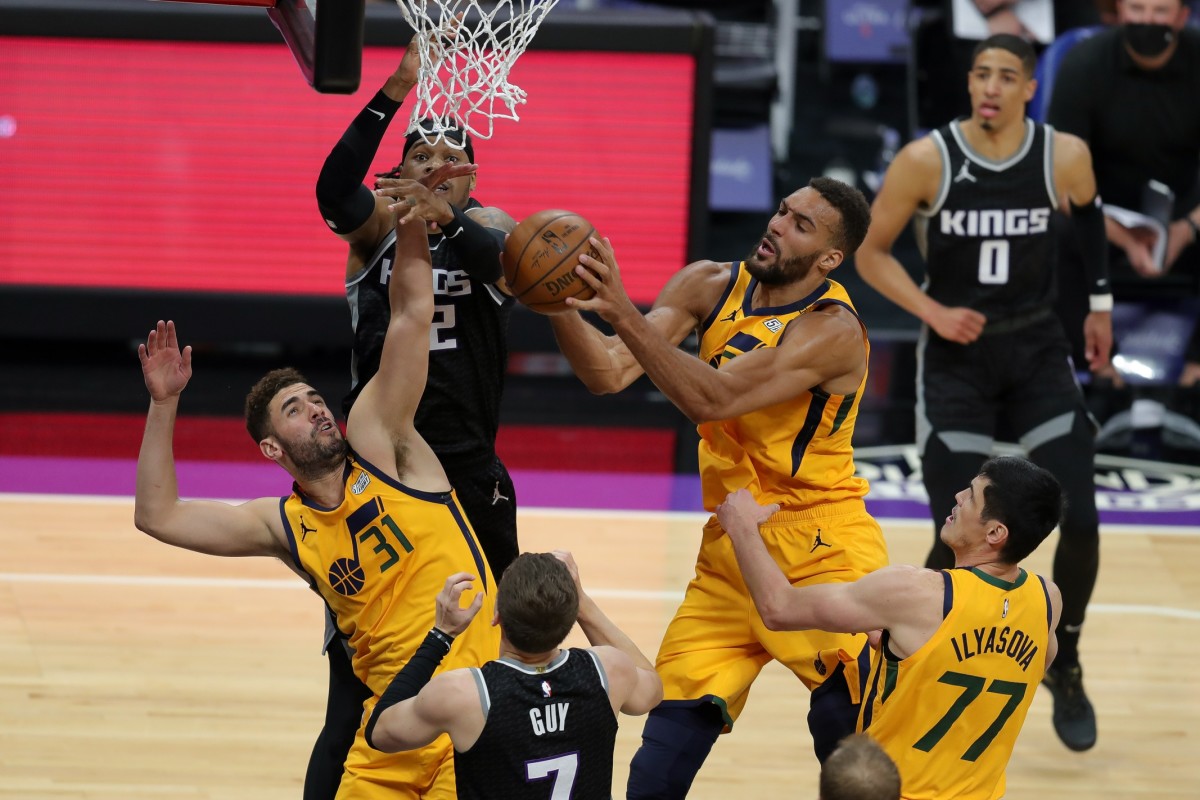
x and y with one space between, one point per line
540 257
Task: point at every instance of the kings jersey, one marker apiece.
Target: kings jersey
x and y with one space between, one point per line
796 453
949 714
379 559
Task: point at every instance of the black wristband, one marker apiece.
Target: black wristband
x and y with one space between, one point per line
412 677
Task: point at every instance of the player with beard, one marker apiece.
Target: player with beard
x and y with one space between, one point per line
372 519
775 393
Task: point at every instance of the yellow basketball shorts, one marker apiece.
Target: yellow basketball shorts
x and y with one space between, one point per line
717 643
426 773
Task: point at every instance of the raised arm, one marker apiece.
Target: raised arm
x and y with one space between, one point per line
204 526
911 182
381 423
349 208
635 687
604 363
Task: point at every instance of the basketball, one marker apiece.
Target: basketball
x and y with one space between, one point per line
540 257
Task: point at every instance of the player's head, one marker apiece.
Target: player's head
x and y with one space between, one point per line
536 603
291 424
1001 80
815 227
859 769
420 158
1012 505
1149 27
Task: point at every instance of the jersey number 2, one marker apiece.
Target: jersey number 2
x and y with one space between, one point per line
972 686
993 261
442 329
562 768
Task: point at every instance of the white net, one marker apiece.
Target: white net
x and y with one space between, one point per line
463 81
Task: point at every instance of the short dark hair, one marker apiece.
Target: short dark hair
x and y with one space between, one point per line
853 208
1026 498
258 401
537 602
1019 47
859 769
453 134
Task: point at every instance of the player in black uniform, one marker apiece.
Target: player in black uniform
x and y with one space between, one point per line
541 721
460 410
991 351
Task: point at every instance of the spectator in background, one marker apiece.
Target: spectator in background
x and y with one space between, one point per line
1133 94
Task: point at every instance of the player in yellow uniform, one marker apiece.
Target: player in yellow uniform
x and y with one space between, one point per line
962 650
372 523
783 362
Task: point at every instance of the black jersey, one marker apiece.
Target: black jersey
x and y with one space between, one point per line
549 732
987 239
459 412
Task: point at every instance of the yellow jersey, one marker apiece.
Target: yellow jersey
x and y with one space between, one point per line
380 558
949 714
796 453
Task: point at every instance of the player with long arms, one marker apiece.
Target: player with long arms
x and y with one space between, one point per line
371 522
775 393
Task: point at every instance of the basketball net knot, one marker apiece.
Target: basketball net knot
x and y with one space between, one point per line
463 80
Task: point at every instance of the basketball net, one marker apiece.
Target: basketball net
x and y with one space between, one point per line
463 81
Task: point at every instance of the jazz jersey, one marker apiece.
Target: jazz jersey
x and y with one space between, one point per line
379 559
949 714
987 238
796 453
549 731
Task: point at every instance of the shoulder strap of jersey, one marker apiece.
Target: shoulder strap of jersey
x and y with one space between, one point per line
736 271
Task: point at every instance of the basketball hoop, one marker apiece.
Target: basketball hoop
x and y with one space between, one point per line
464 67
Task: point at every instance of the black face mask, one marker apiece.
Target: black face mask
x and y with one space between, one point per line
1148 40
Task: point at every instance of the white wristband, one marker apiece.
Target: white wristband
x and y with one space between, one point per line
1100 302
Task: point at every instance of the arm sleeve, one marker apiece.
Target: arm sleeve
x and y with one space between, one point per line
344 201
412 677
478 248
1088 220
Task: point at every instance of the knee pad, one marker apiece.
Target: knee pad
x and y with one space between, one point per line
675 742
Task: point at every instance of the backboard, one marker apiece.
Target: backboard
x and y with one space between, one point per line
325 37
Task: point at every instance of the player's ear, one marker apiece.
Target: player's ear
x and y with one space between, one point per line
471 185
270 448
997 534
830 259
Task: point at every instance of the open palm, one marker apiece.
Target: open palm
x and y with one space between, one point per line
165 368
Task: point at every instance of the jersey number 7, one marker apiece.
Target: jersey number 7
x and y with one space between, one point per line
972 687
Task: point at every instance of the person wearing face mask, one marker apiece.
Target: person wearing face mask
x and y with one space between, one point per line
1133 94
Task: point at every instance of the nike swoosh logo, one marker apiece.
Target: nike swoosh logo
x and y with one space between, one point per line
379 114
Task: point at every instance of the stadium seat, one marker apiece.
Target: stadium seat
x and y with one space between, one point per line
1048 65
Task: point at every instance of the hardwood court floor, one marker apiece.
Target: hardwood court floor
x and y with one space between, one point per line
130 669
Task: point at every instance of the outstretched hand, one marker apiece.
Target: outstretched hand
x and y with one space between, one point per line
418 198
741 512
166 369
449 616
602 274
